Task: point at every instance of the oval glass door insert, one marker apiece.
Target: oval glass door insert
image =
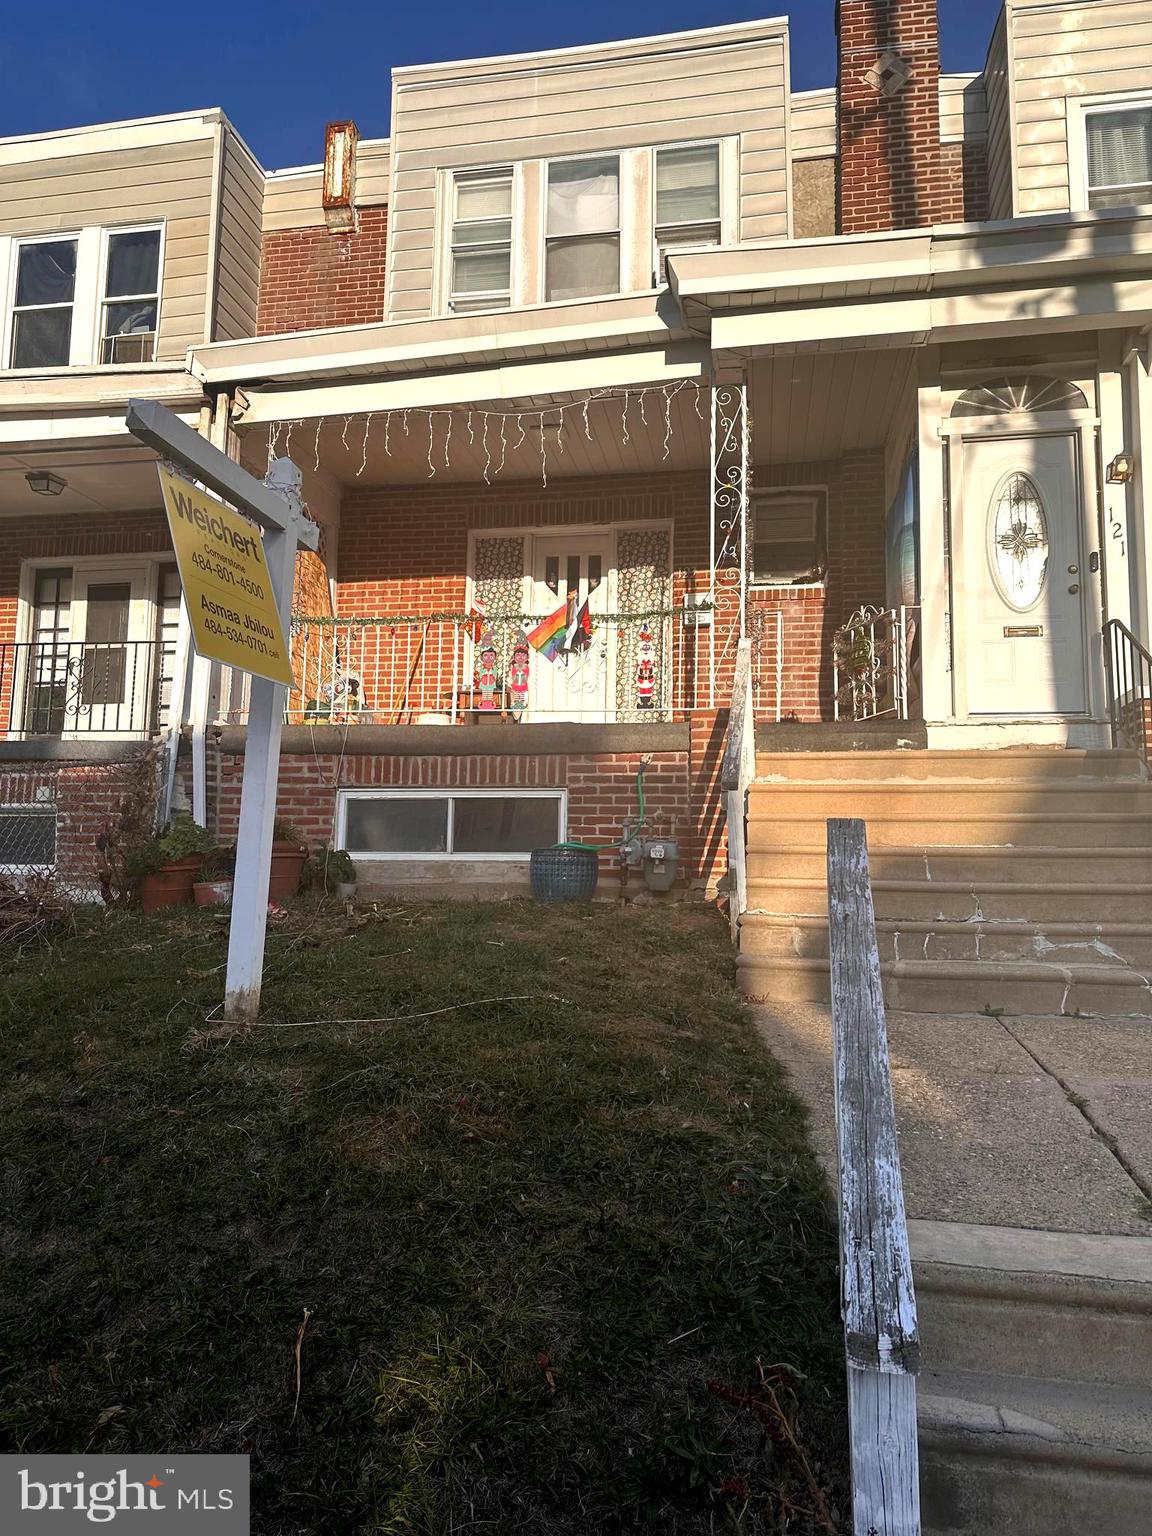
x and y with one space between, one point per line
1018 535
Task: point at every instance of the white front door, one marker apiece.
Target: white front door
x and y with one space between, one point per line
112 660
1019 619
579 684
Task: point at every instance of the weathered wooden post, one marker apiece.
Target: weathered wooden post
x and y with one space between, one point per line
877 1298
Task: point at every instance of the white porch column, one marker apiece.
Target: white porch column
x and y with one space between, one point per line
936 681
1138 402
1118 534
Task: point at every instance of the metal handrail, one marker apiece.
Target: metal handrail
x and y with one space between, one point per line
870 664
80 687
737 770
1128 676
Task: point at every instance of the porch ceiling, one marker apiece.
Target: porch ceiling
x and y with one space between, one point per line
120 479
812 406
662 433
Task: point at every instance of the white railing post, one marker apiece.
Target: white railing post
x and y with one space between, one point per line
737 770
728 523
878 1301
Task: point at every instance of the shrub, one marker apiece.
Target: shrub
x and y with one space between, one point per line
330 867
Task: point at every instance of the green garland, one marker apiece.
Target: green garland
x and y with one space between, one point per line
489 618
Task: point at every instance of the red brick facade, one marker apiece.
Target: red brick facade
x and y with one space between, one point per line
311 279
891 173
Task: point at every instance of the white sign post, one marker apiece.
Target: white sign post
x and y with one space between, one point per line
275 505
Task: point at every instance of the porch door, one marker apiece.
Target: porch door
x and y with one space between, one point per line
578 685
1020 627
110 663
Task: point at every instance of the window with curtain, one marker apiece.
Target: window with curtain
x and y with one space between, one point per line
687 198
42 312
1119 144
582 254
131 296
789 537
481 241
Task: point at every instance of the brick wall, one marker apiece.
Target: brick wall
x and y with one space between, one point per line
86 798
311 279
964 179
890 170
601 788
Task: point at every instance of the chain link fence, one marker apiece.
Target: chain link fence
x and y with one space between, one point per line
49 818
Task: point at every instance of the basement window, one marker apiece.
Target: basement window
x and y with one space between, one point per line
438 824
789 545
27 839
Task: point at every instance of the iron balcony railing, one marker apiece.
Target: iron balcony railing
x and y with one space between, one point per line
873 664
456 668
1128 672
81 688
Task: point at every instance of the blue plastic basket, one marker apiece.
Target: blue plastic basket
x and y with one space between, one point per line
564 874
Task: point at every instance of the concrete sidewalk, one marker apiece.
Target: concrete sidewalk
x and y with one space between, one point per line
1036 1122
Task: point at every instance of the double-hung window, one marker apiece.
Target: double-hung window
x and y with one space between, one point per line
481 241
1118 141
789 544
582 240
687 198
43 304
131 296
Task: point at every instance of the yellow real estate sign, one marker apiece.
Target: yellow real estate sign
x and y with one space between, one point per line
225 578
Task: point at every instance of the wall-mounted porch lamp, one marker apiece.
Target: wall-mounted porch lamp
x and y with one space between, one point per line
1120 469
44 483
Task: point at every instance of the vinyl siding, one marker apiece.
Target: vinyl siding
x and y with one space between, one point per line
963 108
813 117
292 198
238 259
1061 52
628 96
998 96
169 182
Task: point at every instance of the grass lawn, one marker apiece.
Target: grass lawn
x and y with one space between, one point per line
562 1261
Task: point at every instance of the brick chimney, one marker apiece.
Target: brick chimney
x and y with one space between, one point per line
889 171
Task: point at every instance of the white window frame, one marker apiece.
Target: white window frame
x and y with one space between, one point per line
818 494
45 810
1078 109
102 299
727 172
449 793
77 339
625 230
451 181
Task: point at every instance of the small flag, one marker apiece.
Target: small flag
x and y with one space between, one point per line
475 626
550 634
578 636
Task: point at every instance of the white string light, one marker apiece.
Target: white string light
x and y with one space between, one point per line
316 446
364 452
387 434
344 433
543 454
447 438
484 446
503 447
431 466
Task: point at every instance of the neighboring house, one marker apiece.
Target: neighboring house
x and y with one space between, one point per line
633 323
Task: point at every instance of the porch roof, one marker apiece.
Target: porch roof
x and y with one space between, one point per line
917 287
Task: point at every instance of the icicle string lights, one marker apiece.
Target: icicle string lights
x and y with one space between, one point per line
549 422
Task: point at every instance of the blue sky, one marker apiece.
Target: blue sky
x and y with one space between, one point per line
72 62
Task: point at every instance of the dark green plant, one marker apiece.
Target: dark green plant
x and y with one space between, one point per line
119 846
330 867
182 838
285 831
219 862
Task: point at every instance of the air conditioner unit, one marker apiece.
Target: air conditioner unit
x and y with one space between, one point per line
133 347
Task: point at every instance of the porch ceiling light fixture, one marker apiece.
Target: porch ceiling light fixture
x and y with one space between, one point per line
45 483
1121 469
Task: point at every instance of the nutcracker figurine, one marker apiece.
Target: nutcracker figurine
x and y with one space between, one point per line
518 675
645 669
487 682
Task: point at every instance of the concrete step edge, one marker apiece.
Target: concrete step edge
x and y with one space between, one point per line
992 926
1033 1251
967 888
964 970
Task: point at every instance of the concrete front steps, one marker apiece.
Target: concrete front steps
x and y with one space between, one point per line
1034 1405
1016 881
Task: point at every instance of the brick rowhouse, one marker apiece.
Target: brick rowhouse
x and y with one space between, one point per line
890 171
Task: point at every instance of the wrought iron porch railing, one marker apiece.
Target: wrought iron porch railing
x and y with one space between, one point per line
451 668
873 664
1128 676
82 687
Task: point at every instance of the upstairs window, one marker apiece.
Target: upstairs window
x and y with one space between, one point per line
1119 155
481 242
42 311
687 199
582 255
789 543
131 297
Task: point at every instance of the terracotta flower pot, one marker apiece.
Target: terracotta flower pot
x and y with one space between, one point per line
213 893
287 867
170 886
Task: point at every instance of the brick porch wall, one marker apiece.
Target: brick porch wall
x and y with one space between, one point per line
311 279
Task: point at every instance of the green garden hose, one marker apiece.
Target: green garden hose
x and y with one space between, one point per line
619 843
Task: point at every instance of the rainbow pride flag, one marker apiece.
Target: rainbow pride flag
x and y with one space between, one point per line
550 634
